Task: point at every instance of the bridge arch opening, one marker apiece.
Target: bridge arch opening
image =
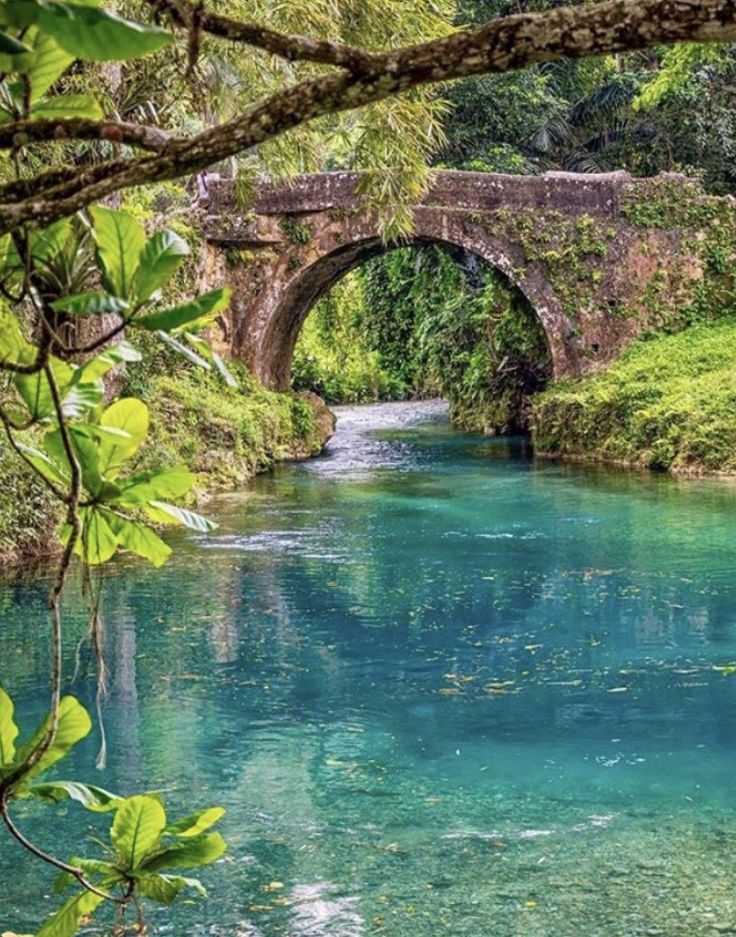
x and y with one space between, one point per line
426 318
311 265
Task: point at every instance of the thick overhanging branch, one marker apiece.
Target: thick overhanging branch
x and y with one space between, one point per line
500 46
25 132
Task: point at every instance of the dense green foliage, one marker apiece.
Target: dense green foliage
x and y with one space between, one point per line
428 321
646 112
337 358
224 433
28 513
668 403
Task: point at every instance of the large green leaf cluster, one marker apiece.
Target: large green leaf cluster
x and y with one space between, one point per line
145 852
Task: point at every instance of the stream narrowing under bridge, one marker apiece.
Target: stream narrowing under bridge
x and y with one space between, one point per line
441 688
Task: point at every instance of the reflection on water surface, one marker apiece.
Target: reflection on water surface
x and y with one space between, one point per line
440 687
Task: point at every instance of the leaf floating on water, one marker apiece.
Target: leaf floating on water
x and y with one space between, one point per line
619 689
272 886
728 670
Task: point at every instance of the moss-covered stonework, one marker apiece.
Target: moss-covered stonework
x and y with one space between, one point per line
601 259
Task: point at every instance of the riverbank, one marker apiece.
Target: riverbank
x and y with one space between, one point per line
226 435
668 404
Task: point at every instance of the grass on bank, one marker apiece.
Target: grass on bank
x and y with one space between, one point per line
224 434
669 403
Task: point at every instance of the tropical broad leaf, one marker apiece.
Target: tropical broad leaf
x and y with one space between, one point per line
74 725
94 868
120 240
15 56
191 853
85 451
47 467
196 823
128 414
14 347
49 63
97 367
90 796
156 484
68 105
139 539
165 888
196 310
36 391
137 828
98 543
8 729
97 35
164 513
160 258
48 241
66 921
90 304
77 397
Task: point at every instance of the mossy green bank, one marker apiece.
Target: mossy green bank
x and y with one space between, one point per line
669 403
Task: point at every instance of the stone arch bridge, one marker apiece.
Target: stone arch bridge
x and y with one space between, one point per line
601 258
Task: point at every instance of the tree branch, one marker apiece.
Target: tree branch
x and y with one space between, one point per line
502 45
291 47
23 132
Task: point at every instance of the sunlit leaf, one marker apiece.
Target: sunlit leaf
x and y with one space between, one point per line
90 304
139 539
97 367
191 853
74 725
130 415
85 451
49 63
196 310
137 828
8 729
66 921
14 347
165 513
35 389
156 484
196 823
120 240
160 258
98 35
68 105
98 543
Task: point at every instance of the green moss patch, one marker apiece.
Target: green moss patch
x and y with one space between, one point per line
668 403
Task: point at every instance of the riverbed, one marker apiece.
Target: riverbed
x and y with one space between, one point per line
440 687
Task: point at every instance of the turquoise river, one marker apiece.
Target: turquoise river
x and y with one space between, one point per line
440 687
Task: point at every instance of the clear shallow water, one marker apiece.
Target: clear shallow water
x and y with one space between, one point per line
441 689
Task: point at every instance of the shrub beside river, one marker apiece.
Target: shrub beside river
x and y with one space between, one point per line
669 403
